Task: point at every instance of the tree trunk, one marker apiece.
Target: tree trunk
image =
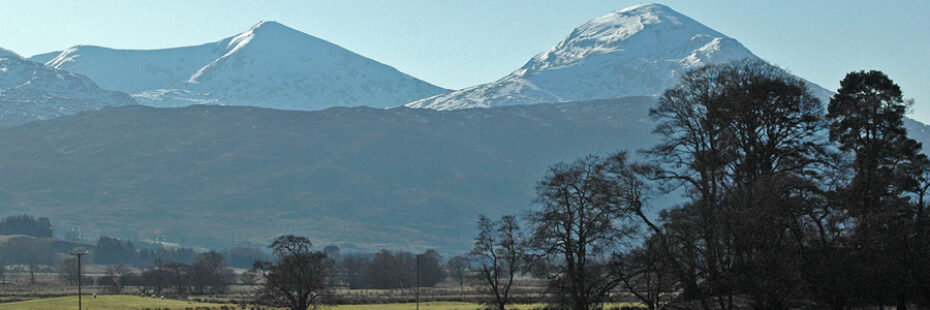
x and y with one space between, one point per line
902 302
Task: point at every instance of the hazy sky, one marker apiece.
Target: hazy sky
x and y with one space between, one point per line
455 44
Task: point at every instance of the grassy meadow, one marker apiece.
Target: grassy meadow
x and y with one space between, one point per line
107 302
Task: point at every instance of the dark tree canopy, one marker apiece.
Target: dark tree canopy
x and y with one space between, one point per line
867 120
725 125
26 225
210 274
111 250
388 270
745 141
300 278
890 237
429 268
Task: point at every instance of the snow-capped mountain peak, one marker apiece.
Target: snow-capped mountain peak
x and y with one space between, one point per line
637 51
273 32
643 30
269 65
270 26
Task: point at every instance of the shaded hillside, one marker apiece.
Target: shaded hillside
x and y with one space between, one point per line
212 176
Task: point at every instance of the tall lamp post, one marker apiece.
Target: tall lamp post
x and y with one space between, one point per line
79 252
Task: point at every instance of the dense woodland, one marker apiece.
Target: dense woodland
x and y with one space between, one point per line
790 202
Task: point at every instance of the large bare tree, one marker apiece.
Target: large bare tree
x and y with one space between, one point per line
300 278
116 276
744 140
584 219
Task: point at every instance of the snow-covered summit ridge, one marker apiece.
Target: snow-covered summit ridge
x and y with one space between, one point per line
31 91
636 51
269 65
646 30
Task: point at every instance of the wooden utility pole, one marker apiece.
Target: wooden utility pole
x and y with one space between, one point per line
79 253
418 281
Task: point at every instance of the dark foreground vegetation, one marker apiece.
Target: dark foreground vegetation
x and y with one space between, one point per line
779 214
790 203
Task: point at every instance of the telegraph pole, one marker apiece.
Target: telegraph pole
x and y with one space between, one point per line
79 252
418 282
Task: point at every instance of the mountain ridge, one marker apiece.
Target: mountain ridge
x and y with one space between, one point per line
636 51
269 65
360 177
30 91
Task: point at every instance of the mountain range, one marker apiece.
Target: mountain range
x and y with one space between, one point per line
359 177
30 91
275 131
637 51
270 65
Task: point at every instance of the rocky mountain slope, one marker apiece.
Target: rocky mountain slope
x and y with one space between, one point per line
30 91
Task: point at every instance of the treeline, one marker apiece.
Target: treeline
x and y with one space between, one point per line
112 251
34 244
26 225
789 205
31 251
390 270
209 273
29 241
300 277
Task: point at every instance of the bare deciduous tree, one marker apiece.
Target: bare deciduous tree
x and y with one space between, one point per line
499 255
458 270
68 271
583 220
209 273
115 277
250 277
299 279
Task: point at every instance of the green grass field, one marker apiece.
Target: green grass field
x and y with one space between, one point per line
411 306
110 302
104 302
444 306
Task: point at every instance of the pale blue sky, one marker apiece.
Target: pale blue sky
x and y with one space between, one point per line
455 44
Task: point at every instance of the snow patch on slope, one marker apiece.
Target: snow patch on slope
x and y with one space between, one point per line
31 91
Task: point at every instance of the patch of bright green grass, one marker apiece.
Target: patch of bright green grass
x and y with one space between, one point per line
104 302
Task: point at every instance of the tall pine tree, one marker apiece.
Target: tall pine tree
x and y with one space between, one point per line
867 121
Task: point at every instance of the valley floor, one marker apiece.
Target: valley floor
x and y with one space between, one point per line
127 302
106 302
